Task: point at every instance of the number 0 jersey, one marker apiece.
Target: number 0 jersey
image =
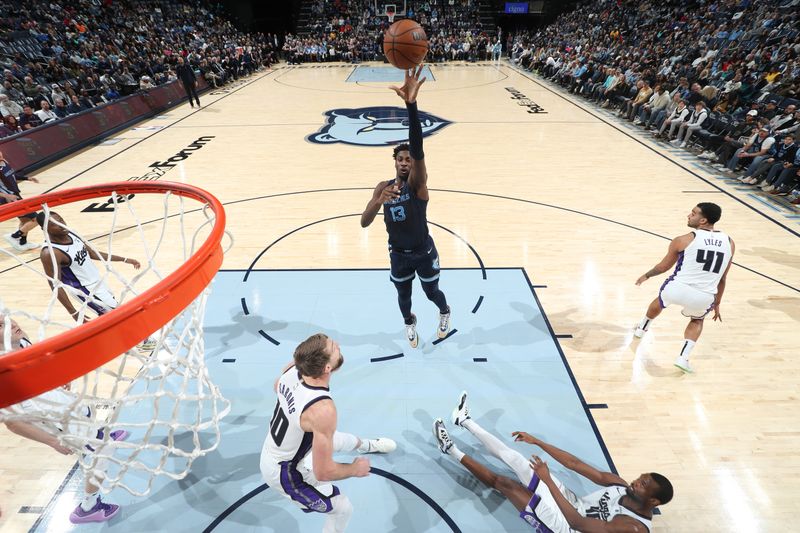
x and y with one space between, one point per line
702 264
286 440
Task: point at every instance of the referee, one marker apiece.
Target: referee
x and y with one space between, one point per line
185 73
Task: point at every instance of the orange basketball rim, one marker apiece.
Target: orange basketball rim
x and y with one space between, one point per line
57 360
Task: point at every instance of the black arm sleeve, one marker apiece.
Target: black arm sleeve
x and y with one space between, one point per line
414 132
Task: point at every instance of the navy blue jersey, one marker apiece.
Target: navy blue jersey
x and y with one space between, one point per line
406 220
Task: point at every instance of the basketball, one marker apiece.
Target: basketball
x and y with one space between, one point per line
405 44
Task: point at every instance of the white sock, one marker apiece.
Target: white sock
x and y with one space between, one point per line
644 324
345 442
512 458
89 501
455 453
687 348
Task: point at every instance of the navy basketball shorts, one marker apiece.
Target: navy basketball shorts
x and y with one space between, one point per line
406 264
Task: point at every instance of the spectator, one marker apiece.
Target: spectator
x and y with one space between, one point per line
61 108
754 151
28 119
781 156
9 107
46 114
695 122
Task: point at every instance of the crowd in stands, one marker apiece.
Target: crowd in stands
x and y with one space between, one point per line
352 30
58 59
720 78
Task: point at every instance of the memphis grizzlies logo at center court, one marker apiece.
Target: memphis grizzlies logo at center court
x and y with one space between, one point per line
372 126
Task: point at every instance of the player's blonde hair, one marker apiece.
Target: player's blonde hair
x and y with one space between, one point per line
311 355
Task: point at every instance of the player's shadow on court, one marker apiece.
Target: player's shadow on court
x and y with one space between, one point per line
200 489
243 330
512 332
789 306
773 255
592 336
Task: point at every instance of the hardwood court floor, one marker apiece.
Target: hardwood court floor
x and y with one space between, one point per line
580 201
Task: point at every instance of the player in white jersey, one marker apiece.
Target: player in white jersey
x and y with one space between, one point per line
60 401
545 503
304 421
68 259
697 284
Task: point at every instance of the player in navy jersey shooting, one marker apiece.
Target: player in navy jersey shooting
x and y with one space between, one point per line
404 201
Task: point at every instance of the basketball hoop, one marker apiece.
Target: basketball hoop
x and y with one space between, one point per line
165 398
391 11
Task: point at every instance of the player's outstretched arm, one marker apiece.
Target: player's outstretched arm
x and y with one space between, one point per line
418 178
570 461
97 254
383 193
320 419
677 245
30 431
576 521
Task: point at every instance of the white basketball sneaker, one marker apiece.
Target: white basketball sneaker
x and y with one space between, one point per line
411 333
683 363
461 412
444 325
147 345
380 445
639 332
442 437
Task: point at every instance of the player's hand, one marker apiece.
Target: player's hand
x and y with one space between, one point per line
411 84
35 180
389 193
361 465
131 261
642 279
540 468
717 314
521 436
63 450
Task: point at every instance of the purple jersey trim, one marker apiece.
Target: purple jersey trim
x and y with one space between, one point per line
670 278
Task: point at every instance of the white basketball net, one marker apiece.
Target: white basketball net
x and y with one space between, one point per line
162 396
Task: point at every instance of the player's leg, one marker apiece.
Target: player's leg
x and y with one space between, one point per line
19 239
427 266
690 336
653 310
347 442
516 493
402 275
515 460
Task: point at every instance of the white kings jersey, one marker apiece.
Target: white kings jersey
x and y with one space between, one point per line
604 504
702 264
286 440
81 273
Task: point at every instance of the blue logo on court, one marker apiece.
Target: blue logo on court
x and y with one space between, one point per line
372 126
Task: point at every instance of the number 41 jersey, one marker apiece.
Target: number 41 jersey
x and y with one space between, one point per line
286 440
702 264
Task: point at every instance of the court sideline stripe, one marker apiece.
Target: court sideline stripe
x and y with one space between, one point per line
578 391
56 494
652 149
112 156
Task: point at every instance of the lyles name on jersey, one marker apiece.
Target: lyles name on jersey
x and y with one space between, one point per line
287 394
712 242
